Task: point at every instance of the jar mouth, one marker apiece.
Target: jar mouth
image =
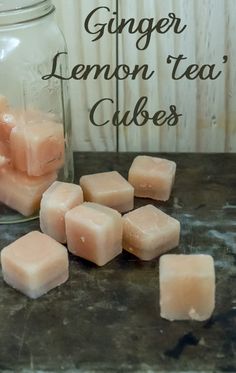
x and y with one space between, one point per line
16 11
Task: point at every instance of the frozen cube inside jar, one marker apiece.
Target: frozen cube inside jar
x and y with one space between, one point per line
3 103
35 264
57 200
11 118
148 232
37 148
8 120
3 161
4 154
152 177
94 232
109 189
21 192
187 287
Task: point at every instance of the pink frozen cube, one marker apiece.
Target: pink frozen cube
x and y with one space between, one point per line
8 120
37 148
56 202
187 287
94 232
35 264
3 103
152 177
109 189
148 232
21 192
4 154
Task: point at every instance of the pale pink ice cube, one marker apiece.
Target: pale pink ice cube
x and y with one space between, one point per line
3 161
21 192
4 154
109 189
37 147
148 232
94 232
152 177
3 104
8 120
57 200
35 264
187 287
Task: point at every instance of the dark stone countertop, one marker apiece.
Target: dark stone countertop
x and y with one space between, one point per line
108 319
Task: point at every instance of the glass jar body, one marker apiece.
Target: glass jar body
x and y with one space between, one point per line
35 123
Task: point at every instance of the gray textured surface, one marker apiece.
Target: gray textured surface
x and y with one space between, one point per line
107 319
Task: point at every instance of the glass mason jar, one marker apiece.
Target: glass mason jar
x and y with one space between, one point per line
35 122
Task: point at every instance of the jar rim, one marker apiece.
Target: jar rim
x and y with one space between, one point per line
17 8
17 15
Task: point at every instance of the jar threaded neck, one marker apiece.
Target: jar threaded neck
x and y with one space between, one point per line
16 11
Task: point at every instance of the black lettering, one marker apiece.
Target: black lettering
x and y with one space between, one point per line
157 119
176 65
173 119
93 112
100 26
54 68
125 119
139 109
207 72
177 23
147 33
145 75
76 71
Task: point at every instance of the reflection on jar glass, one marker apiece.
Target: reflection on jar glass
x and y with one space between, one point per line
35 122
